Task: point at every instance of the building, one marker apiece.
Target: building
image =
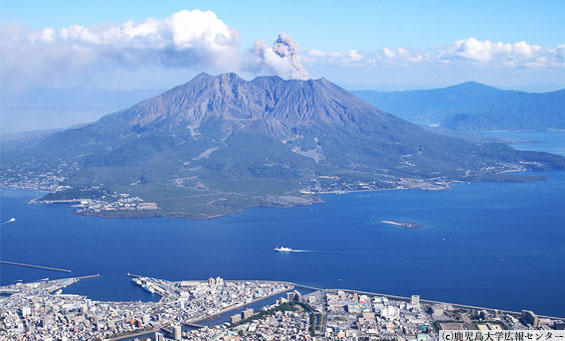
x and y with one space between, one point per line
235 318
211 281
528 317
177 332
46 322
26 311
294 296
159 337
219 281
415 300
247 313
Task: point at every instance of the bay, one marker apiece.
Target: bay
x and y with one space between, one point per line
488 244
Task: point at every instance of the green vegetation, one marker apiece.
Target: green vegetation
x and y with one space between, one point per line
132 332
315 324
74 193
287 306
198 151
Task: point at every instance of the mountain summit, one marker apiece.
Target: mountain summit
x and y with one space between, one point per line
218 144
232 99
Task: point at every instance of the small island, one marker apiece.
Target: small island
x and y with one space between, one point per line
406 224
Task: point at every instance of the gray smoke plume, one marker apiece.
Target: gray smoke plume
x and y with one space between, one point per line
282 59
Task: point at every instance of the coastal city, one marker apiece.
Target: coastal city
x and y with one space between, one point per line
41 311
389 170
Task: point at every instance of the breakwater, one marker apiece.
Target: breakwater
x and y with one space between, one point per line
34 266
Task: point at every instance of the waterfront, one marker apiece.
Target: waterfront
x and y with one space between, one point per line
489 244
38 309
41 304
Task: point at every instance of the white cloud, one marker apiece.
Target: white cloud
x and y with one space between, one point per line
183 42
154 50
499 54
182 31
465 52
337 57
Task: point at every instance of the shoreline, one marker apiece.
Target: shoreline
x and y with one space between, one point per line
142 214
293 286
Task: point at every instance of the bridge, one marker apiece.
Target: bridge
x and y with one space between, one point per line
193 325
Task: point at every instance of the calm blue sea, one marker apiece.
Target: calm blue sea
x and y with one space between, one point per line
488 244
551 141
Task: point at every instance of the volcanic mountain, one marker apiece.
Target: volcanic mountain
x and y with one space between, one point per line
218 144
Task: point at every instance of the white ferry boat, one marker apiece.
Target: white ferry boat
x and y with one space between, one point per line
283 249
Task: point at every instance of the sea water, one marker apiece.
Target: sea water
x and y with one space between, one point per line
487 244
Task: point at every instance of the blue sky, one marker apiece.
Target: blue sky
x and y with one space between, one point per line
335 25
381 45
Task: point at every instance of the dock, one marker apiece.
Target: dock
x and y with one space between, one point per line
34 266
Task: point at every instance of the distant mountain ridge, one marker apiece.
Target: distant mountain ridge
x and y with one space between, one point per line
219 144
473 106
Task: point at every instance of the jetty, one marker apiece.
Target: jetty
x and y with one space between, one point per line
34 266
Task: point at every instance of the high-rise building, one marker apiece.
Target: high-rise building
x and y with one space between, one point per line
247 313
159 337
415 300
26 311
219 281
211 281
46 322
235 318
529 318
177 332
294 296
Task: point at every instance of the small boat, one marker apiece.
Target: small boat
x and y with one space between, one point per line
283 249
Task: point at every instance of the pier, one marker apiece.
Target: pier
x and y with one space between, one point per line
34 266
85 276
